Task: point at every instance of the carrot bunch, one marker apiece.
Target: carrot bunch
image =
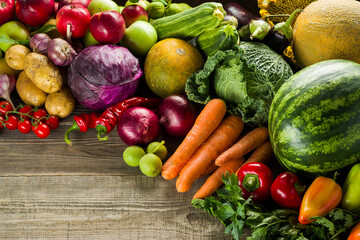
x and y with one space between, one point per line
214 147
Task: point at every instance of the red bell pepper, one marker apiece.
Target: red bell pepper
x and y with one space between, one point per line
355 233
322 196
255 181
287 190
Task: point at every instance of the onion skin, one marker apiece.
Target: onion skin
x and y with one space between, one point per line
177 115
61 52
138 126
39 43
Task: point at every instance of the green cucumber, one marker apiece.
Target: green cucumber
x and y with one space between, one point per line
190 23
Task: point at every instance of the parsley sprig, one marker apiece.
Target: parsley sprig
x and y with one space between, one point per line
238 214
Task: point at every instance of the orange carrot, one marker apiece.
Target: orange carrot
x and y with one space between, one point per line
207 121
209 169
263 153
246 144
215 181
221 139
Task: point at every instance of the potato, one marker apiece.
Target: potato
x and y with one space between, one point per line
43 72
5 69
28 92
15 56
60 104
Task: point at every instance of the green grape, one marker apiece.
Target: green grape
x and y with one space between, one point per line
132 155
160 151
150 165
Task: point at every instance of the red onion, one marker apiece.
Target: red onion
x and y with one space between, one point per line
61 52
177 115
39 43
7 85
138 126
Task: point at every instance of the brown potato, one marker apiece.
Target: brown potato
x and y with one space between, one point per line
60 104
15 56
5 69
43 72
28 92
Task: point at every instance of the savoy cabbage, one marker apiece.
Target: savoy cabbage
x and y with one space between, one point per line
246 77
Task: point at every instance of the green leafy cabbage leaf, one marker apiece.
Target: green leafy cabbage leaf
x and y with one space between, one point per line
246 77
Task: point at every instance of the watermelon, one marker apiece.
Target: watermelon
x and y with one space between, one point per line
314 119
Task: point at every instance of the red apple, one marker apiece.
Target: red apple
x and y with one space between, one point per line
34 12
107 27
7 10
133 13
67 2
75 15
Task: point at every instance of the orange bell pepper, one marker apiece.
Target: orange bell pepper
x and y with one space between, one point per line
322 196
355 233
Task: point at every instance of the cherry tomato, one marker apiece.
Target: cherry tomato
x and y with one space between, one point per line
24 126
12 122
40 114
42 130
255 180
52 122
26 109
2 121
287 190
5 106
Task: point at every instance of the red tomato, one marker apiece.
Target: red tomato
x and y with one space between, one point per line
287 190
42 130
12 122
52 122
5 107
40 114
2 122
24 126
255 180
26 109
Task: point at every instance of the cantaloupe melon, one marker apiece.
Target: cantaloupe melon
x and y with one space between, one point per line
327 29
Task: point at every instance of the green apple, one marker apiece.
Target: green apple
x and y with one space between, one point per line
139 37
14 30
89 40
144 3
96 6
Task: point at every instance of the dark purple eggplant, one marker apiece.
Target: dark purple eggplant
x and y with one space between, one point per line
240 13
276 41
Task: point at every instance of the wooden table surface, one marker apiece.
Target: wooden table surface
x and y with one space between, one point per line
49 190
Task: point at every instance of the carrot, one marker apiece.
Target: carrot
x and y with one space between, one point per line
207 121
221 139
263 154
215 180
246 144
209 169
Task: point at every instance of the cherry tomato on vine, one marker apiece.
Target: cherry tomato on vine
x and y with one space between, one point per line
40 114
2 121
5 106
12 122
42 130
52 122
24 126
26 109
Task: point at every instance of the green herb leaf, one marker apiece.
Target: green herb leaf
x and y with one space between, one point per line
7 40
46 28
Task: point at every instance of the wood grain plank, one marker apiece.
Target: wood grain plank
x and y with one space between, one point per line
100 207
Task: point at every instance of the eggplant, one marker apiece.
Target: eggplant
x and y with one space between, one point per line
276 41
243 16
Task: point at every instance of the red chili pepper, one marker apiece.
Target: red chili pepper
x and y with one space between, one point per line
108 119
5 107
322 196
82 123
355 232
286 190
255 180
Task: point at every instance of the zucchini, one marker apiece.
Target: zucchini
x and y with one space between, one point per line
220 38
190 23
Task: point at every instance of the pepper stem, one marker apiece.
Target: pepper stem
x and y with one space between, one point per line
251 182
72 128
101 129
